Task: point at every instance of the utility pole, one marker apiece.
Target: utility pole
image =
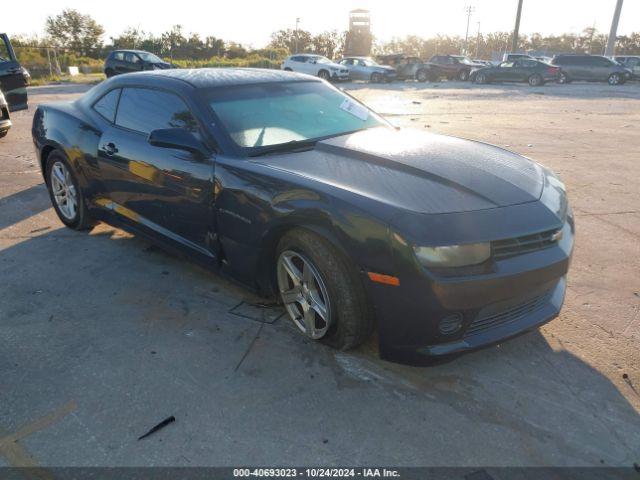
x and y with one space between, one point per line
478 41
516 30
297 23
613 33
469 11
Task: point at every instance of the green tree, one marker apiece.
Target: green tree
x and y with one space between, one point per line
77 32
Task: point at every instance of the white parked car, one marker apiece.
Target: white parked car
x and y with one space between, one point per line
316 65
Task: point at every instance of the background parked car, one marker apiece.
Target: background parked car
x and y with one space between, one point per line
534 72
632 63
591 68
13 77
453 66
408 68
316 65
5 121
127 61
365 68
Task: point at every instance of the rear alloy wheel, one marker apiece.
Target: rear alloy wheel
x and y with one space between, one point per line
563 78
614 79
536 80
320 291
481 78
376 78
323 74
65 194
422 76
463 75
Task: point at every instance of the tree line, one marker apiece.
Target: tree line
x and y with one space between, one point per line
80 38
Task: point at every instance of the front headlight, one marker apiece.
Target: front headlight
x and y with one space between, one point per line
453 255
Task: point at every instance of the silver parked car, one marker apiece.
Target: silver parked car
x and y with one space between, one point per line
365 68
590 68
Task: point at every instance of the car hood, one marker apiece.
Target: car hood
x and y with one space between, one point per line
418 171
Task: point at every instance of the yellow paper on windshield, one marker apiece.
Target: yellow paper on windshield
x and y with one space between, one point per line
354 109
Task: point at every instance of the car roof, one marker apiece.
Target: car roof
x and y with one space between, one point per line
127 50
214 77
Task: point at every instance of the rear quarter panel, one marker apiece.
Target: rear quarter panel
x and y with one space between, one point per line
66 128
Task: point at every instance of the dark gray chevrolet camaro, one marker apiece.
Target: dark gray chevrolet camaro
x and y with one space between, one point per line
296 189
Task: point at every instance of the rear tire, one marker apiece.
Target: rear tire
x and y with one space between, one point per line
73 212
350 321
376 78
287 69
536 80
109 73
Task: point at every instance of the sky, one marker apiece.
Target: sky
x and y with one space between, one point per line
251 22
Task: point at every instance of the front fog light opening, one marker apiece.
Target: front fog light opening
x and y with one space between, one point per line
451 324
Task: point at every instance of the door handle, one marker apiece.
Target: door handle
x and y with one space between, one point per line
110 148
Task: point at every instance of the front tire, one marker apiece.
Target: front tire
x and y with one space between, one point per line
65 193
422 76
376 78
324 75
463 75
4 133
321 291
108 73
615 79
563 78
481 78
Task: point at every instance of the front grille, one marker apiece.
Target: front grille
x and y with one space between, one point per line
525 244
492 319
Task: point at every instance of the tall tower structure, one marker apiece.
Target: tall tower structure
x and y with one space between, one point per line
359 38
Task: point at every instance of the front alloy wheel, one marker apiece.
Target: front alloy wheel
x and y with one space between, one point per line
463 75
304 294
324 75
614 79
481 78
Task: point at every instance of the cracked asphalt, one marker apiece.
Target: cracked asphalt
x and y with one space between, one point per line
102 335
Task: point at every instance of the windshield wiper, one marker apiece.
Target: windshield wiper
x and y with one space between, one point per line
290 147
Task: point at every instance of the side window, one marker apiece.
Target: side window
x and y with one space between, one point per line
131 58
633 62
118 56
145 110
4 51
528 63
451 61
107 104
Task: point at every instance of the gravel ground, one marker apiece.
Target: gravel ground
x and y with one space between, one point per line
102 335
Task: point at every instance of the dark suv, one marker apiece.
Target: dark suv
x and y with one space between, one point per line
453 66
13 82
591 68
127 61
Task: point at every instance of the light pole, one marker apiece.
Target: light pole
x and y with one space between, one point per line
297 23
516 30
478 41
469 11
613 33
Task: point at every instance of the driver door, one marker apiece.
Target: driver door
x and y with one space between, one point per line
160 190
12 81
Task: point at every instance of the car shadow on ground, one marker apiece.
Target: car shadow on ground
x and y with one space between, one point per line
23 204
116 324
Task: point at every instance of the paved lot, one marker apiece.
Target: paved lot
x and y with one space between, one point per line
102 335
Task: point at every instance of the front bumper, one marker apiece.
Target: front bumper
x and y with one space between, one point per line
521 293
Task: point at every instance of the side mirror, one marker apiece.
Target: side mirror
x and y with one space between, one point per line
177 138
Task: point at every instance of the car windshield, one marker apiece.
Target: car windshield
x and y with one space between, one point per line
149 57
268 114
466 60
322 59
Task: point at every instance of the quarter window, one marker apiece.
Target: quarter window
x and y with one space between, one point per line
106 106
145 110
